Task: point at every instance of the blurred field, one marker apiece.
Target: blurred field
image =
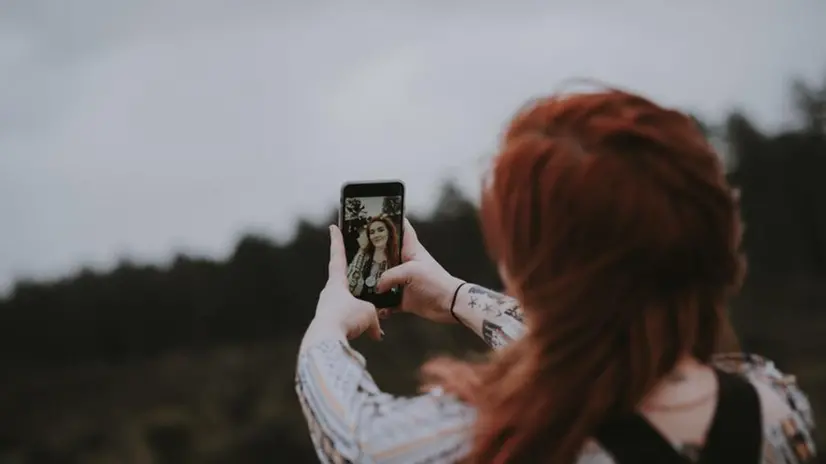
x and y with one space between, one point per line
209 406
233 404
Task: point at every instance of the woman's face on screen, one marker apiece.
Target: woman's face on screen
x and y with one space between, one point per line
377 232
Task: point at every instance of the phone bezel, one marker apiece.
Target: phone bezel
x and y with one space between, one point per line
380 188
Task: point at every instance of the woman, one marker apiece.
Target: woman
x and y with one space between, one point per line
617 237
378 251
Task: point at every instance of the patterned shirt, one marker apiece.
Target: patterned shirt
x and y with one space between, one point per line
355 270
352 420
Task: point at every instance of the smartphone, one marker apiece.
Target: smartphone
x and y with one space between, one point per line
371 219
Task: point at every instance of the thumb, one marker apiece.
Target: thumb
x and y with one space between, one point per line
410 242
337 268
410 232
399 275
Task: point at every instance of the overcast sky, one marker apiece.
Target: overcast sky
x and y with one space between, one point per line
372 206
136 128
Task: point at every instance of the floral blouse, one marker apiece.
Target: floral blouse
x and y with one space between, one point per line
355 273
352 421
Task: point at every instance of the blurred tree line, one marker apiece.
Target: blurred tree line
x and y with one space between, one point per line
194 362
264 290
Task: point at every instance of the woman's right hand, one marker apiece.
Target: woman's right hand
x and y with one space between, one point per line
428 287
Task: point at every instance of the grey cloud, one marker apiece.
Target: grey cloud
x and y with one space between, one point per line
140 127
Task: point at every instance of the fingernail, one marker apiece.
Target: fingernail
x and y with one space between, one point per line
381 332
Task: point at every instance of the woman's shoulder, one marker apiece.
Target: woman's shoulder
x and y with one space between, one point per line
779 392
787 414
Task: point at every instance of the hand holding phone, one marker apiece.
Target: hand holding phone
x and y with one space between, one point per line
371 219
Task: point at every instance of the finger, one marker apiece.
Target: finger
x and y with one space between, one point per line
384 313
337 270
435 389
410 242
436 368
374 330
427 387
399 275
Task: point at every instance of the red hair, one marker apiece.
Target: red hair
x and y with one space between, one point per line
620 238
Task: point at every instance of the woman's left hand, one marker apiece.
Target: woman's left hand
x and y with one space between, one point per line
337 308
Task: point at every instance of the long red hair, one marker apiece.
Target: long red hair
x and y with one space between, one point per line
619 235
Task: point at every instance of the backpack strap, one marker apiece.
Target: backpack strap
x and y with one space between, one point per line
736 432
631 439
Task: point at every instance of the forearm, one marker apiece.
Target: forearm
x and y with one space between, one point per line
351 420
495 317
322 362
319 332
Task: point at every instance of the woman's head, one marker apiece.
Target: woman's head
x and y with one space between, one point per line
382 235
614 226
610 194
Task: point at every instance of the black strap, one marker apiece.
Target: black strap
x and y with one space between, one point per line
736 433
633 440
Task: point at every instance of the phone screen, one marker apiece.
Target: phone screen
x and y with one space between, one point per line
372 221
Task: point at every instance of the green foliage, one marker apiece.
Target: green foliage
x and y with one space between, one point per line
354 209
811 105
392 206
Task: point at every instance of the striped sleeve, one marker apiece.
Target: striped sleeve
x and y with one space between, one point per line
351 420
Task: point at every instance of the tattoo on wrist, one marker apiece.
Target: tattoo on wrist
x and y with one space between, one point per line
496 297
502 317
494 304
515 312
491 310
494 335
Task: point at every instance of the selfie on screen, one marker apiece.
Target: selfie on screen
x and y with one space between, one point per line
371 228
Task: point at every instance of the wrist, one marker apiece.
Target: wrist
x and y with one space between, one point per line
321 329
464 311
452 287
